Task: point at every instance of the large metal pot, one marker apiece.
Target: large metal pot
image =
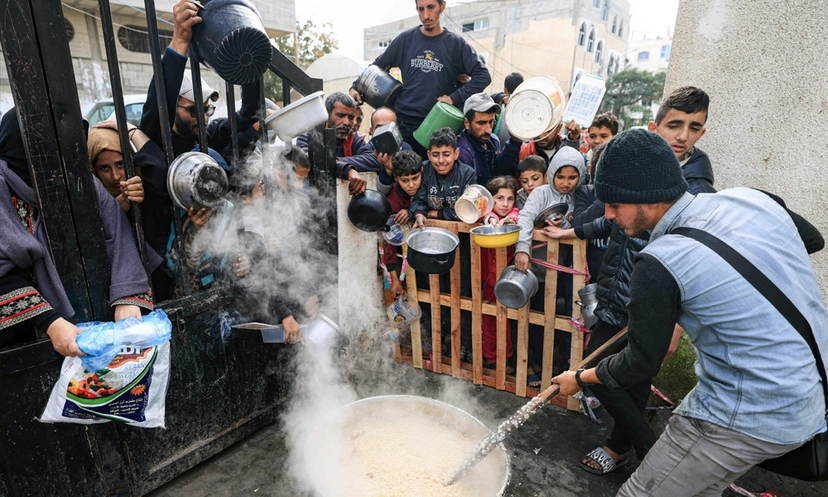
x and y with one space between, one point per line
515 287
377 88
323 455
431 250
231 40
299 117
195 180
369 211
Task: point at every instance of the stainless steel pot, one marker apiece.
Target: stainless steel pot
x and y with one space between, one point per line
588 303
322 453
195 180
515 287
377 88
431 250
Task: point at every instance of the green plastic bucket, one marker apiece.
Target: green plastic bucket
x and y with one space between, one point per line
442 115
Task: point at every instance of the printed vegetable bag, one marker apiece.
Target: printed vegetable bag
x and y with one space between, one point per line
118 381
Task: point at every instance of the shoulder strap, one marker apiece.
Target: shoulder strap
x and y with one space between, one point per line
765 286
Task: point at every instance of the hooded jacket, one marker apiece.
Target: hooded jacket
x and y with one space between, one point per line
547 195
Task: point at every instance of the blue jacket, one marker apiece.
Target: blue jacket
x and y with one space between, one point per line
487 162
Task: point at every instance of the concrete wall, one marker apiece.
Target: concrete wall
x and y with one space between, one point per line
763 65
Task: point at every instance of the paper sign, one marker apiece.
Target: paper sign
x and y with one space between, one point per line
585 100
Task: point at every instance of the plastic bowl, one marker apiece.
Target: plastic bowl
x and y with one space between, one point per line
496 236
299 117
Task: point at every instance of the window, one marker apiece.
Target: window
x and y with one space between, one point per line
612 64
476 25
135 38
665 51
599 53
621 28
70 30
604 11
643 55
614 24
383 44
582 35
591 41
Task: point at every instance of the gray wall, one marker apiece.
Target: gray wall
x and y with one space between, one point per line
763 64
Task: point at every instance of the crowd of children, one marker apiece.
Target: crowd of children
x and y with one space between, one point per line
550 171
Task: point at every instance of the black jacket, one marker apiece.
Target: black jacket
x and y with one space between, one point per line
698 171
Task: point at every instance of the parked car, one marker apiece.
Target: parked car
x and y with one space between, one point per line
104 109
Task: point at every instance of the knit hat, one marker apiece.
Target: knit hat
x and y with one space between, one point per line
638 167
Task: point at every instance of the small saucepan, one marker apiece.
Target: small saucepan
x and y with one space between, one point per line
431 250
515 287
369 211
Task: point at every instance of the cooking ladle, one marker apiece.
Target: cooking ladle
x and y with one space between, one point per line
506 428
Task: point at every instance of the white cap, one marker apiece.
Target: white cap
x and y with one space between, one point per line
187 91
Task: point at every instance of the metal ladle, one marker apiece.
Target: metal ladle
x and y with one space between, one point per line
524 413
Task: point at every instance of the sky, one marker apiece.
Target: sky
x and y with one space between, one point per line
650 17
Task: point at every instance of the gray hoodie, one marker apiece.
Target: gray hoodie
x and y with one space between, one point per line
547 195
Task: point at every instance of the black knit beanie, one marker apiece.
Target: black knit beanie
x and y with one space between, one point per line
638 167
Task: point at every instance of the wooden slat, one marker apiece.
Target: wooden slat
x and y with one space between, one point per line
416 336
488 379
500 371
455 310
436 328
576 351
476 309
550 310
521 349
466 304
525 316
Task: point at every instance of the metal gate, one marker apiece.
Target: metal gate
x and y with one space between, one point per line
206 411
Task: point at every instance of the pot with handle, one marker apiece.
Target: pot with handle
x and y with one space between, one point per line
432 250
515 287
369 211
588 303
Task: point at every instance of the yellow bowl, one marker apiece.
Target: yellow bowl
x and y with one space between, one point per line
496 236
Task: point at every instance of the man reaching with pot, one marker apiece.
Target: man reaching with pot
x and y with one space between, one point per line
742 412
352 153
431 59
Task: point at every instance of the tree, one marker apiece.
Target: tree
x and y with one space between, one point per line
632 87
312 42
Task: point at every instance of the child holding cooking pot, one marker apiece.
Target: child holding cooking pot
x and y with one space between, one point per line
407 173
444 179
504 191
567 173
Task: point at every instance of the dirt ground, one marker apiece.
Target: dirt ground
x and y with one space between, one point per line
544 452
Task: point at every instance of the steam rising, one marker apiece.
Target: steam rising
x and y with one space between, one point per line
325 380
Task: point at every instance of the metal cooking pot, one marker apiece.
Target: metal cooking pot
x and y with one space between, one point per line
377 88
322 452
369 211
515 287
387 139
195 180
588 303
231 40
431 250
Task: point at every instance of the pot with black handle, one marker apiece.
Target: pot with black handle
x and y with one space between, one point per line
432 250
369 211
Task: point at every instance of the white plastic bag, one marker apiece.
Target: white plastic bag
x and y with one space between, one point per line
131 389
